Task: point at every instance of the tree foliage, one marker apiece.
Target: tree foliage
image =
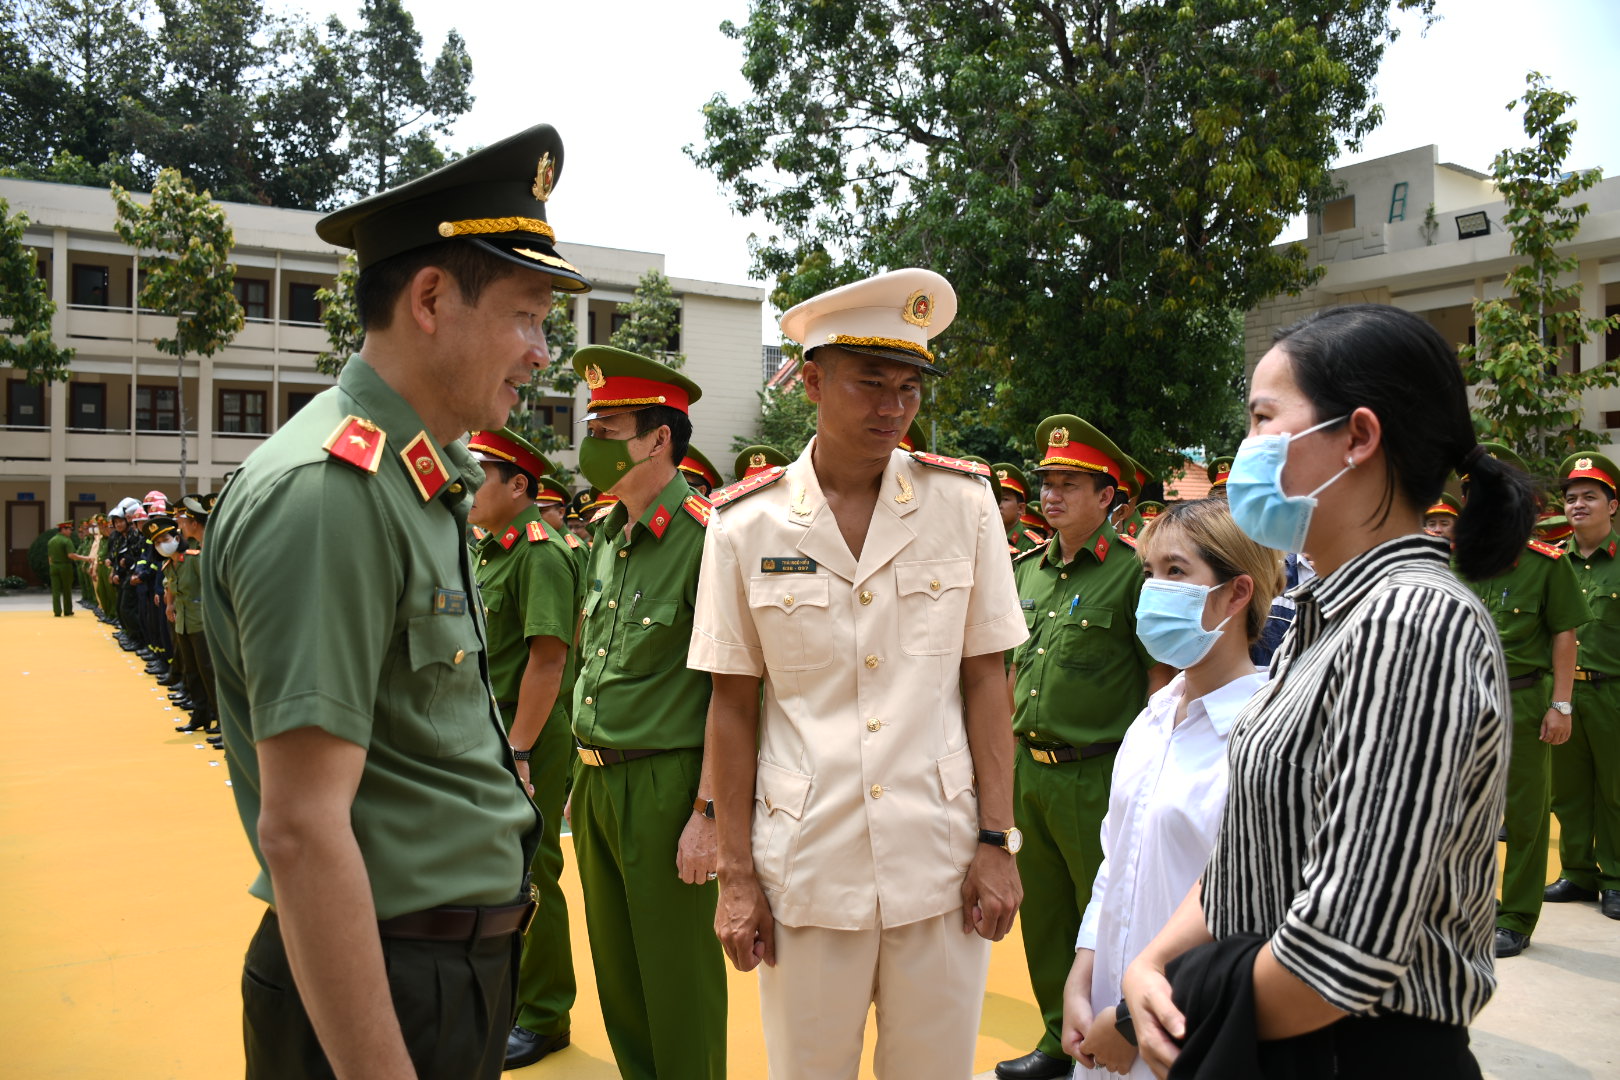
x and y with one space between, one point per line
341 316
1525 400
558 380
652 327
187 275
26 308
787 421
1102 181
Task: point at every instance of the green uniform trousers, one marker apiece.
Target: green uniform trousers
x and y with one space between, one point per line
660 973
1528 818
106 592
1059 809
1586 789
546 980
62 590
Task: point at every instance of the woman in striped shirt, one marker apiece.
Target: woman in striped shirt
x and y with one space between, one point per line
1349 903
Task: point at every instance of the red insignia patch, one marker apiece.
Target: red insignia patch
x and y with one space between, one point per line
659 522
422 462
1128 541
940 461
746 486
509 537
357 442
1101 550
694 505
1612 545
1545 549
537 532
570 539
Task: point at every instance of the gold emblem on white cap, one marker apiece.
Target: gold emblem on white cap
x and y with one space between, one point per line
918 309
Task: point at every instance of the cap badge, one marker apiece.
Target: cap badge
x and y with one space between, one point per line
1059 437
1584 463
919 309
544 175
757 461
593 377
1222 469
1001 474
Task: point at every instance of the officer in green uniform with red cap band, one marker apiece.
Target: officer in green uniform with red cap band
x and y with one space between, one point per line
1586 769
368 758
1440 519
59 552
641 812
529 585
700 472
1217 471
1012 495
1537 606
1078 682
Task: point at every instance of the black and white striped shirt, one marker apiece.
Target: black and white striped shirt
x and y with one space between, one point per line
1367 784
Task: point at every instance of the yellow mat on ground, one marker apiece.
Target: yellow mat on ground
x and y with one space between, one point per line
124 909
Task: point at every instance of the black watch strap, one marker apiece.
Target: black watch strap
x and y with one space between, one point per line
522 755
993 838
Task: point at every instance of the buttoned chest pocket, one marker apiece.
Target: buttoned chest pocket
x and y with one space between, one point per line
651 637
792 619
495 604
1088 640
1517 618
1605 607
933 604
442 706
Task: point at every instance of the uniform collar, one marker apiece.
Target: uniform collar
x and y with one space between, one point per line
1609 547
383 406
656 519
1097 545
899 496
1350 582
495 543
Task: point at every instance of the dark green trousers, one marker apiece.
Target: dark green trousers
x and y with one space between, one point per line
1528 817
61 590
546 987
1059 809
454 1001
660 973
1586 789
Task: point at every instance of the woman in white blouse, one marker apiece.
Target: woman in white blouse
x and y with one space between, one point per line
1208 592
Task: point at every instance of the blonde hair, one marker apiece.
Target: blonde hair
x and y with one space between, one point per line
1208 526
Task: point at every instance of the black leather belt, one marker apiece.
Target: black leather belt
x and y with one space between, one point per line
1525 682
601 755
1582 675
461 923
1056 755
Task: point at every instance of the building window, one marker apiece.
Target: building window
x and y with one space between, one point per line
590 327
1340 214
297 399
25 404
157 408
301 303
254 296
618 321
89 285
87 406
241 412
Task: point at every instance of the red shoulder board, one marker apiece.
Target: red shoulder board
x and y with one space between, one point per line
570 539
1128 541
746 486
358 442
940 461
1022 555
537 532
509 537
1034 537
427 470
695 505
1545 549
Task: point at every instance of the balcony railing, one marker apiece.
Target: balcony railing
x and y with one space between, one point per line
258 335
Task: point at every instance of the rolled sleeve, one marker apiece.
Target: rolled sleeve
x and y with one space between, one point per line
995 622
724 637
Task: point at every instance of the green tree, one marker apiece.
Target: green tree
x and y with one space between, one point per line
558 380
344 334
1102 182
26 308
189 274
398 103
653 324
787 420
1524 399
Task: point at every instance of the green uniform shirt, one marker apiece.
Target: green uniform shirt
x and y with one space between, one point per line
1598 576
57 550
342 599
529 580
186 581
1536 598
635 691
1082 675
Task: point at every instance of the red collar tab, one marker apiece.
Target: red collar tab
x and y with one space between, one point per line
425 467
509 537
659 522
1100 548
1612 545
357 442
699 509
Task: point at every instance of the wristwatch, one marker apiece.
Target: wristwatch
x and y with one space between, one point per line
703 806
522 755
1564 707
1011 840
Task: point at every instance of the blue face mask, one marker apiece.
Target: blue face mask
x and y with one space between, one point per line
1170 621
1266 514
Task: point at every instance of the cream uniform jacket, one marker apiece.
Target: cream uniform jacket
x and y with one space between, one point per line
865 814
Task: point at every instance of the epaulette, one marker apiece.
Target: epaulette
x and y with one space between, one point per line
357 442
940 461
1128 540
1022 555
1541 548
746 486
570 539
1034 537
537 532
698 507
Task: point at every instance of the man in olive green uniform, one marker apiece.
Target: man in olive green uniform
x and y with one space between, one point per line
1537 606
59 552
185 607
528 583
367 756
1078 682
641 812
757 459
1586 769
1216 472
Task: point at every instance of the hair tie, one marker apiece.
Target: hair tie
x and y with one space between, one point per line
1470 459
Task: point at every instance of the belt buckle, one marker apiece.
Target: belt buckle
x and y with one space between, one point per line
1045 757
530 910
590 756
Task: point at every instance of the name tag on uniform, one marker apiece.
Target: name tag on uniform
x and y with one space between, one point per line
1027 605
795 564
449 602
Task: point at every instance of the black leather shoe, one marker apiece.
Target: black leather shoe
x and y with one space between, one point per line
1510 942
1564 891
1034 1065
524 1047
193 726
1610 903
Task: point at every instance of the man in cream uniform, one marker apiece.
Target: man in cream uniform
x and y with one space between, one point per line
866 849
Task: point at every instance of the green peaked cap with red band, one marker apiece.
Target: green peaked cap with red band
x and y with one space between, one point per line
1069 444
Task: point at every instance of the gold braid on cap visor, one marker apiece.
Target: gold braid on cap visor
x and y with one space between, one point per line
881 342
474 226
1052 459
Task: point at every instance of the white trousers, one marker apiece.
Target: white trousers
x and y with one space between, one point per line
927 979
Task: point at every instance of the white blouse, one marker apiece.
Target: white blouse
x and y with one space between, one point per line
1164 808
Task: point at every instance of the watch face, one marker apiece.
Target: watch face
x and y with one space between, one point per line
1015 840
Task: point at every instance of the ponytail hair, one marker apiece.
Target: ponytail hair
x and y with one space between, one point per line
1398 365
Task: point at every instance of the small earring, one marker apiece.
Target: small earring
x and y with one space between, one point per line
1349 462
